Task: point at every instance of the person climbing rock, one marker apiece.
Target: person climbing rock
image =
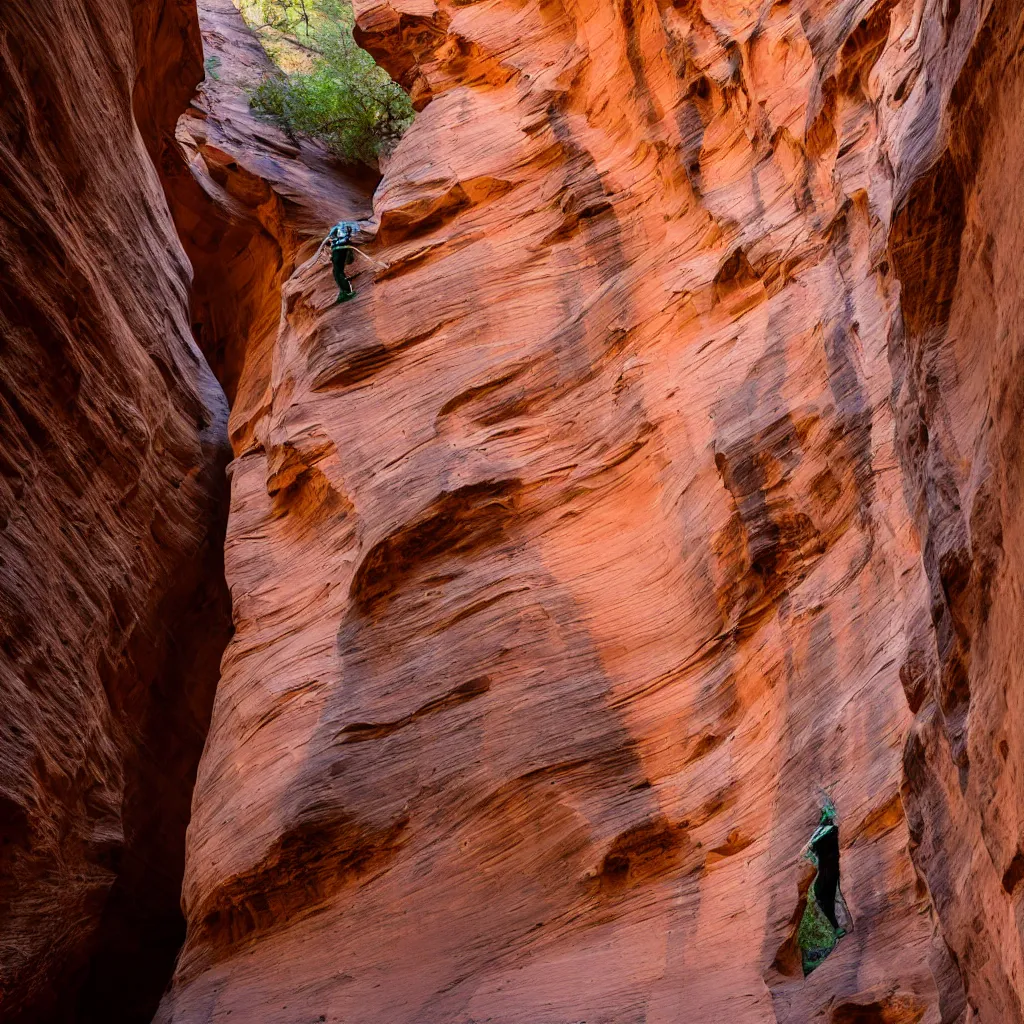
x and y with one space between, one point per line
342 254
343 251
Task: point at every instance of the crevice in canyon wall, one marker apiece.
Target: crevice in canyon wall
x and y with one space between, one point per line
142 927
249 203
825 918
114 610
242 223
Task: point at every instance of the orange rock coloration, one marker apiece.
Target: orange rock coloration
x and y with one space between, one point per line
246 199
666 474
113 442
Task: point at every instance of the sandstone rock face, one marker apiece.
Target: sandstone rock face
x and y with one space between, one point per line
247 201
666 474
113 441
958 357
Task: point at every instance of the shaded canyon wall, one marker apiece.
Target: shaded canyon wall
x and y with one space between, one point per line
113 441
662 477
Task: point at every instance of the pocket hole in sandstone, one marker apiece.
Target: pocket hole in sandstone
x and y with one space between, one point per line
892 1009
826 918
1014 873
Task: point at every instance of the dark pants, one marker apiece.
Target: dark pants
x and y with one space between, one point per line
341 257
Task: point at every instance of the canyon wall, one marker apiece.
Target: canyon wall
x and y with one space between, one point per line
113 608
661 478
958 361
248 201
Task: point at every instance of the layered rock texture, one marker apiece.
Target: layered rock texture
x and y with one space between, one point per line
664 476
662 482
248 202
113 441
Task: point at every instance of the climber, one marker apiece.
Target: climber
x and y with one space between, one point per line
343 251
342 254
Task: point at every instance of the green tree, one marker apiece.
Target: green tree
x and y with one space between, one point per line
340 96
296 17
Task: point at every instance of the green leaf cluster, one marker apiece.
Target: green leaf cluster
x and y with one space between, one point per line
817 936
340 96
304 19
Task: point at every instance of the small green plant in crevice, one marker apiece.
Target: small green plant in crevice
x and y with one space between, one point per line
212 67
325 85
826 918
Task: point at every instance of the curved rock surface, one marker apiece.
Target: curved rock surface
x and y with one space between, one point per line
958 357
113 442
666 475
248 203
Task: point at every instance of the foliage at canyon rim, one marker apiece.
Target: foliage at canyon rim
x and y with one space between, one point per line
328 87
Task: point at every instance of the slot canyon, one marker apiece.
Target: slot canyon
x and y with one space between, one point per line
489 648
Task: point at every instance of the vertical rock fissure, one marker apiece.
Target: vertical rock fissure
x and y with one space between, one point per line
248 204
143 927
825 919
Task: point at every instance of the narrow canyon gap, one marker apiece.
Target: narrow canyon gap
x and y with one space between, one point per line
667 475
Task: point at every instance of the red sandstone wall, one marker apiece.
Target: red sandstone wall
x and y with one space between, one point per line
612 520
113 610
668 472
958 354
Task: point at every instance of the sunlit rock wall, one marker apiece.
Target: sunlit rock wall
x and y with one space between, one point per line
662 479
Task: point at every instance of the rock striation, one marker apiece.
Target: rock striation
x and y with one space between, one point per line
957 359
248 202
663 476
113 441
661 486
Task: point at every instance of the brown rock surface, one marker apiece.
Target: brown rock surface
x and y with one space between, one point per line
959 368
665 475
113 609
